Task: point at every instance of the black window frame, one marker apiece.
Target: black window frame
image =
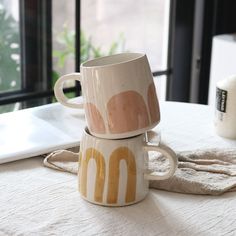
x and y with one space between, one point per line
187 54
36 54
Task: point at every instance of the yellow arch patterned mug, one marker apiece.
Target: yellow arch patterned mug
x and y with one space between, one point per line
115 172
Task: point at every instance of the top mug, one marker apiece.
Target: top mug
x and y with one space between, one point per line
119 95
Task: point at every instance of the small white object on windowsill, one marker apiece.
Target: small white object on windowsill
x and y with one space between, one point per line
225 108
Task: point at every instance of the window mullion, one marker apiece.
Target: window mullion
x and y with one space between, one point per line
77 42
36 46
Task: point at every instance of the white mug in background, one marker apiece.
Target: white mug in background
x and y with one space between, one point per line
115 172
119 95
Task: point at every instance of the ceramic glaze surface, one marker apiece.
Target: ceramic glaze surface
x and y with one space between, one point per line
124 95
112 172
115 172
119 95
127 111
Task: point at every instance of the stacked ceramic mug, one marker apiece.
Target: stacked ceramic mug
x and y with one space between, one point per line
121 105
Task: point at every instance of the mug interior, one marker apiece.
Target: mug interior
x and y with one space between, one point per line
112 60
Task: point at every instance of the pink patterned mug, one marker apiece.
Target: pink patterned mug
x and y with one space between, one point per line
119 95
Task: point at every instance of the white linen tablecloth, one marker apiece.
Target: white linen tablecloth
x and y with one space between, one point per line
35 200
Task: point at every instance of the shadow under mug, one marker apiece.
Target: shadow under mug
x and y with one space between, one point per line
115 172
119 95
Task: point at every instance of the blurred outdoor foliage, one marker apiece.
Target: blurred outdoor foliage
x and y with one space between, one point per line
88 50
9 54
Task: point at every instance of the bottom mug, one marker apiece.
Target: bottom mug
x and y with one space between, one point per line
115 172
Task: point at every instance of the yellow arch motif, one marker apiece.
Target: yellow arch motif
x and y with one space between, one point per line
121 153
100 174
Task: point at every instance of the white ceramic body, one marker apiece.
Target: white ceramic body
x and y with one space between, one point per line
115 172
119 95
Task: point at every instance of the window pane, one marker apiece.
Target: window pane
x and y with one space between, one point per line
110 26
9 46
63 21
160 84
9 107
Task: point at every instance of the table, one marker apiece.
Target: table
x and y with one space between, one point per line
35 200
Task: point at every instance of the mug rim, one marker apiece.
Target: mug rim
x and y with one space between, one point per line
135 56
88 133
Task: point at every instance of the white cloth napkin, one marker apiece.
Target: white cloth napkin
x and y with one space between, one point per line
211 171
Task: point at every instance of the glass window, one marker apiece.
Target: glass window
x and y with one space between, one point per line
9 50
63 42
160 84
106 27
9 46
110 26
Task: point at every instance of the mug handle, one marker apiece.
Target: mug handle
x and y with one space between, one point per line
59 94
169 154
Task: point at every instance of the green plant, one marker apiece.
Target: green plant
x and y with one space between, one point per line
88 50
9 51
9 55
